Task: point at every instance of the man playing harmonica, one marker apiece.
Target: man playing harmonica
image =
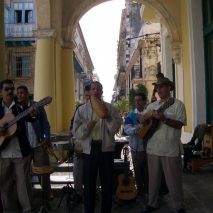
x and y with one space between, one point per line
96 130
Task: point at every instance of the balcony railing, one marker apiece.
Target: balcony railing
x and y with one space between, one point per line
19 30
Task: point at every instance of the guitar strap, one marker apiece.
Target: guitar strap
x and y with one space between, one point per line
163 107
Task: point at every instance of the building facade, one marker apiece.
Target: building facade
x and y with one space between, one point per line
20 42
139 52
19 19
186 26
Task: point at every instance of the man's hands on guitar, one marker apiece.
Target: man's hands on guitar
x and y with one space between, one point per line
159 115
33 111
144 119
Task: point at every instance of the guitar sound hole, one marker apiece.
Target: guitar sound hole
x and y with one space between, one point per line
5 126
125 181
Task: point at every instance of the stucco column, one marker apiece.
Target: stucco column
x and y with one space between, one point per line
68 82
44 84
2 42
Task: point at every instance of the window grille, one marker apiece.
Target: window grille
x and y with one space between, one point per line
22 64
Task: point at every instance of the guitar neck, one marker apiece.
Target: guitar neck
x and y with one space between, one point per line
18 117
167 104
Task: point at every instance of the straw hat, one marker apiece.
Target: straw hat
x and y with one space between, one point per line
164 81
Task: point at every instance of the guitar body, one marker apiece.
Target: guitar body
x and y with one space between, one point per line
9 131
8 122
152 129
148 129
146 126
126 189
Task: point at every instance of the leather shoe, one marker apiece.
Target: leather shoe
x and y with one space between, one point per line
149 209
182 210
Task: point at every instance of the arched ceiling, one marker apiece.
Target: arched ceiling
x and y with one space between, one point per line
64 15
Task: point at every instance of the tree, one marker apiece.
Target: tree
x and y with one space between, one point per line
122 105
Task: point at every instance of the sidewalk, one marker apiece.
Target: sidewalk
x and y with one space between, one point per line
198 193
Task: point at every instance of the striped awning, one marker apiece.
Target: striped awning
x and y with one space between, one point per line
19 43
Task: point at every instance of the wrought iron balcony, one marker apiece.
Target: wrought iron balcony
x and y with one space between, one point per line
19 30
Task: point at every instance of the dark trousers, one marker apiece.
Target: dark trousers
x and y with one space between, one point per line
15 174
141 171
102 163
1 207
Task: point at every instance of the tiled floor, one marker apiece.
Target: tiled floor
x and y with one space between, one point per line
198 193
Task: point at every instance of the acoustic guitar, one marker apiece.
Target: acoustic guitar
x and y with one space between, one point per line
147 129
8 122
126 190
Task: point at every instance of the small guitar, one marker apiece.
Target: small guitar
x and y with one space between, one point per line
8 122
147 130
126 189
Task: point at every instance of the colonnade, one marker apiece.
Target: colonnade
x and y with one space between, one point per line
54 76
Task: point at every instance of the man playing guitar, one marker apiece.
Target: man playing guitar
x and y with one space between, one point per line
15 154
163 147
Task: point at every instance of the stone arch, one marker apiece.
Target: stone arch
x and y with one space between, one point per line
167 19
84 7
164 14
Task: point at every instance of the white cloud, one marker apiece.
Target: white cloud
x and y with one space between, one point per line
100 27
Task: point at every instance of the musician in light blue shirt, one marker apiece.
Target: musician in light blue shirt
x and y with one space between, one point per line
137 144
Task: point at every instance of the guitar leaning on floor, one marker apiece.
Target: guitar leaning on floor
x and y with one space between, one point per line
126 190
148 128
8 122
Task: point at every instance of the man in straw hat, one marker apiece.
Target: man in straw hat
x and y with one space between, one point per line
163 146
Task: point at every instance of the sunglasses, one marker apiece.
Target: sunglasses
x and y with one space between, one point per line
8 88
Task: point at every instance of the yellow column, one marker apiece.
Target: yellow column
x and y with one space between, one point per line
2 42
45 74
68 89
59 84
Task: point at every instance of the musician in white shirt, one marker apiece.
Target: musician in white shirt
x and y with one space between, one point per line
163 148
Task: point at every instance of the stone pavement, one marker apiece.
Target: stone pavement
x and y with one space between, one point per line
198 193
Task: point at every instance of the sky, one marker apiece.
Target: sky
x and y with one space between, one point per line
100 27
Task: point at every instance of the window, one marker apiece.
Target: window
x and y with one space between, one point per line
28 16
22 65
18 16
